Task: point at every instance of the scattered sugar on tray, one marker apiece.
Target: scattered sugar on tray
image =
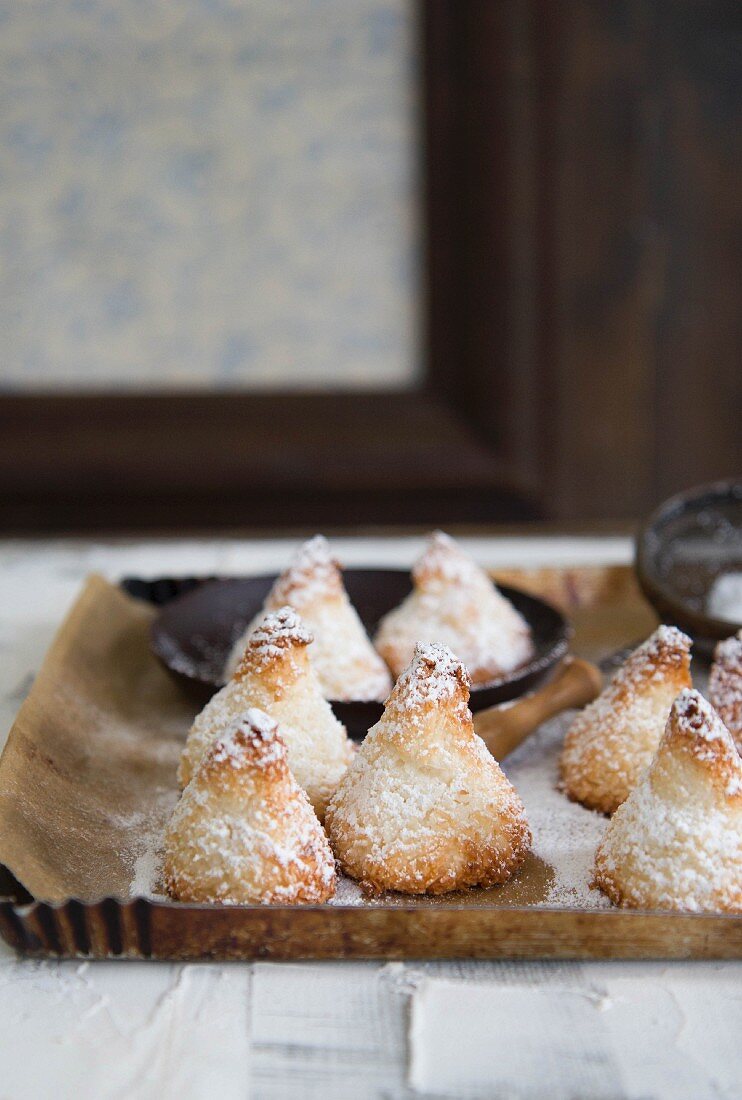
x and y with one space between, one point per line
148 868
147 850
565 834
348 892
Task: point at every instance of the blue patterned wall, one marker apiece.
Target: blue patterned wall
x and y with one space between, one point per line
207 192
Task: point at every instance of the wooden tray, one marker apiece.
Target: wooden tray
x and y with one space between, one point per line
607 612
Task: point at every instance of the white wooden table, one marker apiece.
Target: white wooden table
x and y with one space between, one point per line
353 1029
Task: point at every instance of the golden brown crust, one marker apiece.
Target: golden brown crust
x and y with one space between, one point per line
275 675
276 650
347 665
424 808
613 739
725 685
314 574
243 831
676 842
465 866
729 901
455 603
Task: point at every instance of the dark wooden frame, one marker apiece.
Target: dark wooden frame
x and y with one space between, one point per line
199 461
105 461
582 340
584 216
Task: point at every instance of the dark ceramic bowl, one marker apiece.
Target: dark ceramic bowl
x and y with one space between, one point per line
690 540
194 632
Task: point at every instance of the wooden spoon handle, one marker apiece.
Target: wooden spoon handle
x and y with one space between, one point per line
502 728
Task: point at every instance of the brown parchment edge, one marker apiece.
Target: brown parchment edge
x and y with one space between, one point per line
90 752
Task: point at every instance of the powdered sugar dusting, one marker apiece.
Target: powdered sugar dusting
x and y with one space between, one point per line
676 842
312 573
443 558
565 834
261 723
666 636
253 737
725 685
148 869
297 867
346 664
615 737
147 865
565 837
253 839
455 602
734 786
272 639
649 663
278 629
684 854
666 648
697 717
434 676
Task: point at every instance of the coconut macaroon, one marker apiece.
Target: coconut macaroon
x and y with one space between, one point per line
725 685
676 842
276 675
244 831
347 665
613 739
454 602
424 808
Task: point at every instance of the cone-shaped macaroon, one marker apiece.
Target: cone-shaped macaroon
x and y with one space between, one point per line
244 831
454 602
424 808
725 685
276 675
613 740
347 665
676 842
